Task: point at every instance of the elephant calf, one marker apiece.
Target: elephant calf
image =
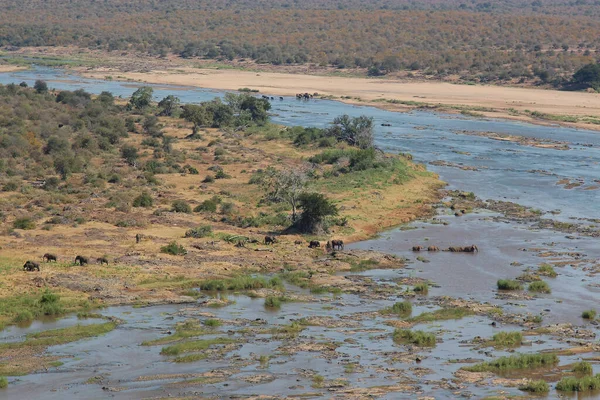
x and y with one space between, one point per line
31 266
81 260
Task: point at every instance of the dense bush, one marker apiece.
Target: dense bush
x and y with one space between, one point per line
174 249
199 232
181 206
24 223
143 200
209 205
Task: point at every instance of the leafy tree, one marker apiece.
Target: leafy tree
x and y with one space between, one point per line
197 115
256 107
287 185
130 154
222 114
106 99
169 105
141 98
588 75
151 126
356 131
315 208
40 86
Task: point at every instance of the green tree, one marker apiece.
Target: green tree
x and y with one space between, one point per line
40 86
356 131
197 115
588 75
222 114
315 208
130 154
141 98
169 105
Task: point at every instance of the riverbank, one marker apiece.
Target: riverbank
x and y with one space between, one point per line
545 107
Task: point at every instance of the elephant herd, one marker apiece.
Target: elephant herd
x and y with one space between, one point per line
305 96
31 266
334 244
454 249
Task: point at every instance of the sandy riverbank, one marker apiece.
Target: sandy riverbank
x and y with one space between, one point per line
500 102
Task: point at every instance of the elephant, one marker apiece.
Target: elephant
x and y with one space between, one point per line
470 249
433 248
270 239
454 249
417 248
138 238
337 244
31 266
49 257
102 260
81 260
314 244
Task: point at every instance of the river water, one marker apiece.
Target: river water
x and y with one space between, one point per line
502 171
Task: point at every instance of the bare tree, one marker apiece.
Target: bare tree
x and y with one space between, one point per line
287 185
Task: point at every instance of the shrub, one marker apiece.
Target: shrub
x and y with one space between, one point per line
212 322
273 301
547 270
422 288
507 339
588 314
539 287
143 200
227 208
199 232
573 384
174 249
520 361
208 179
222 175
507 284
24 223
3 382
10 186
418 338
583 367
403 308
181 206
539 386
209 205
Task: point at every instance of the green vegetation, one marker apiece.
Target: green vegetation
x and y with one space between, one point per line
588 314
516 362
418 338
209 205
363 265
583 368
318 381
3 382
24 223
539 287
143 200
442 314
288 331
507 339
174 249
187 329
539 386
199 231
181 206
193 346
547 270
243 282
275 301
213 323
421 288
403 309
505 284
583 384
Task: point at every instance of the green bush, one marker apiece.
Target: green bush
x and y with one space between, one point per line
273 301
227 208
209 205
422 288
539 386
507 339
507 284
181 206
24 223
10 186
516 362
588 314
208 179
212 322
418 338
584 384
403 308
583 368
174 249
222 175
199 231
547 270
539 287
3 382
143 200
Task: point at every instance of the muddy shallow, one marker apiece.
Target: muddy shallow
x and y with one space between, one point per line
562 181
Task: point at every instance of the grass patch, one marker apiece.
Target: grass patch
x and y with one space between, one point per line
318 381
539 287
583 368
418 338
422 288
174 249
191 358
187 329
363 265
288 331
191 346
507 284
403 309
243 282
442 314
588 314
3 382
275 301
516 362
584 384
212 322
547 270
539 386
507 339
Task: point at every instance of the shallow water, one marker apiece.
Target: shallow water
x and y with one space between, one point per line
506 171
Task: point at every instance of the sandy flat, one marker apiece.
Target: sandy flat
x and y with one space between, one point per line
276 84
11 68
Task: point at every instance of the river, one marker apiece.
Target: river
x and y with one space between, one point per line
493 169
